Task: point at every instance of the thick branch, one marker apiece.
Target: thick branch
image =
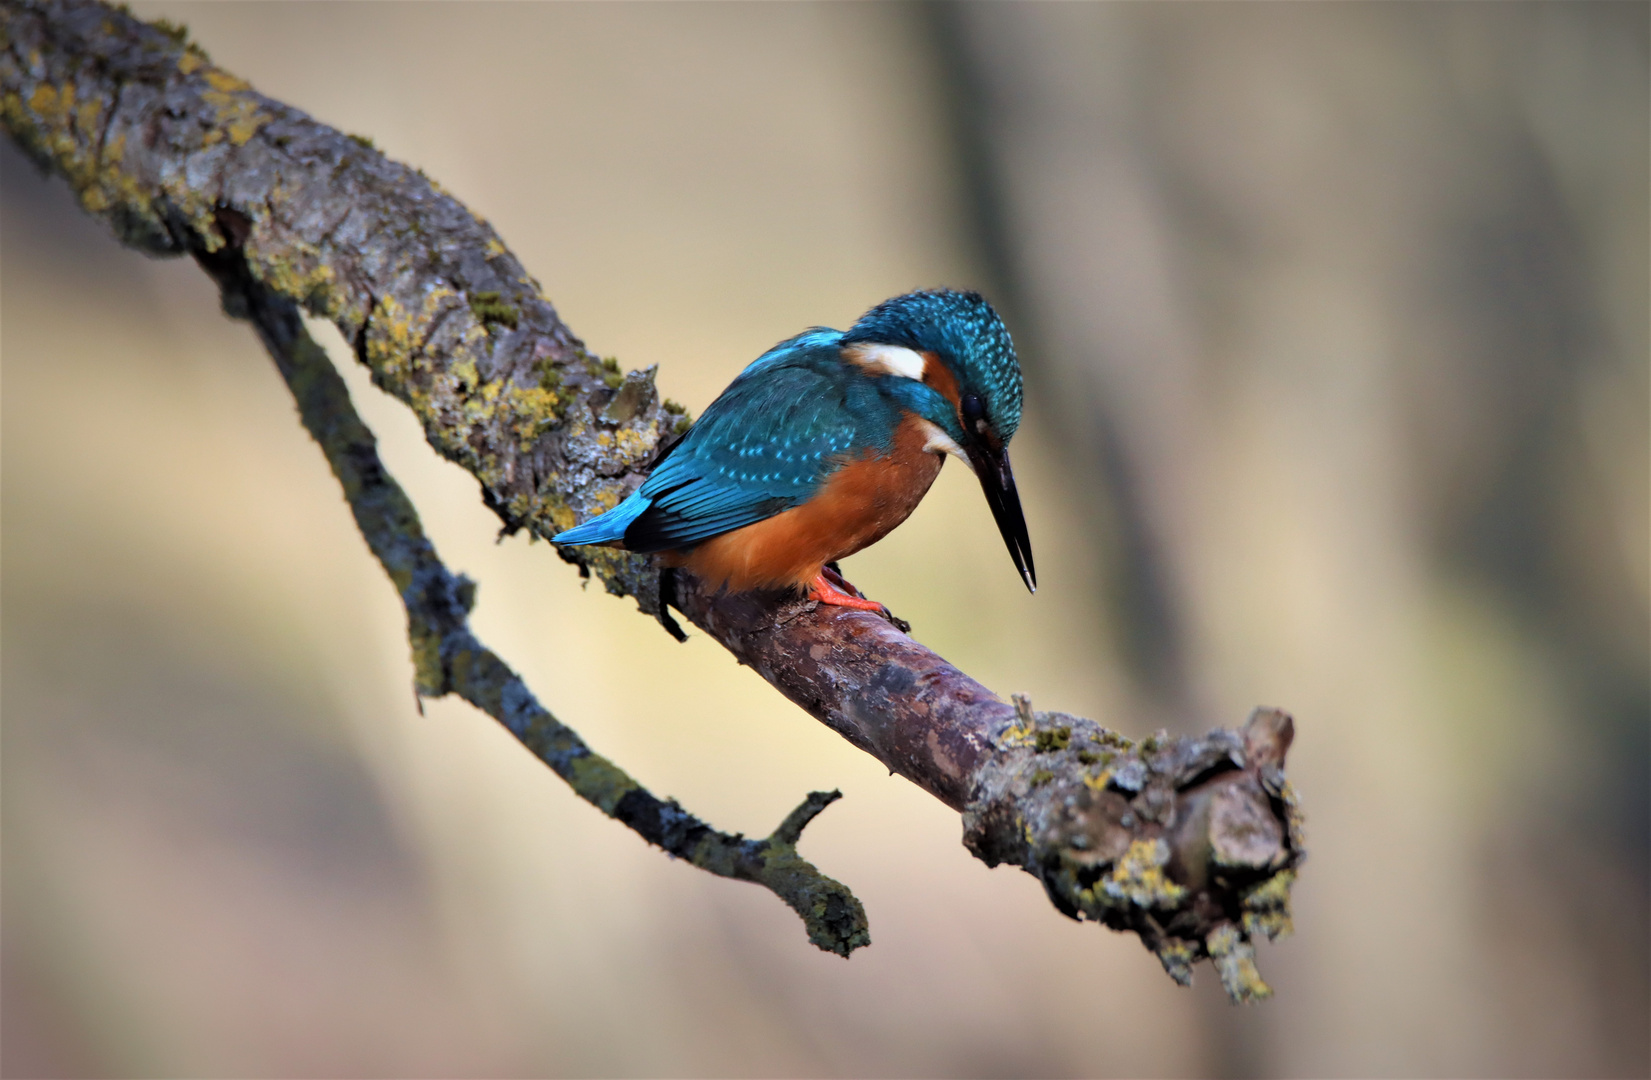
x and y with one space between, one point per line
1191 843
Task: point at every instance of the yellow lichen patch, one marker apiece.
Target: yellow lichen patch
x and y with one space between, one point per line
120 188
1138 877
1177 957
1267 907
86 116
1021 733
479 400
395 352
46 118
634 445
190 62
1024 730
51 105
535 408
48 122
600 782
433 299
606 499
1111 740
236 112
418 326
524 507
1099 780
474 337
390 339
494 248
562 515
1234 960
195 208
428 677
243 128
223 81
463 372
298 273
11 107
548 512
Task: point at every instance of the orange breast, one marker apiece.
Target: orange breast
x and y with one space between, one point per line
860 504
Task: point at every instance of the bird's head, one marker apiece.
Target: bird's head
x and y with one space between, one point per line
955 344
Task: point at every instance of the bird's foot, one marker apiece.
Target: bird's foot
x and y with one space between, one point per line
823 589
834 576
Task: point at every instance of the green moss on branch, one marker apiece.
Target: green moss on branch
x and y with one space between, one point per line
449 659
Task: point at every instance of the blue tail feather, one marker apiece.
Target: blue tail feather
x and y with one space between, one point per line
609 527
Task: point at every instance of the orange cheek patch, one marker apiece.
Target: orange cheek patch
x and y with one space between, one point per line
940 377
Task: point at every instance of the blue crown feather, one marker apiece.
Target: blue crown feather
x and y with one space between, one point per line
969 337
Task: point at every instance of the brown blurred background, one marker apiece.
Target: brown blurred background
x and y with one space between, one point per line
1335 326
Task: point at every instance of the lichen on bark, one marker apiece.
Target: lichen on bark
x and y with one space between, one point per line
1190 843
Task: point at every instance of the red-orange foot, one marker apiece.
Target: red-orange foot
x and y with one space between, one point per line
825 592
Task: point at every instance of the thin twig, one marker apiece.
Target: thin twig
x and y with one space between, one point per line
448 659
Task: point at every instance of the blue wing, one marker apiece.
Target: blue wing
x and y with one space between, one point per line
766 444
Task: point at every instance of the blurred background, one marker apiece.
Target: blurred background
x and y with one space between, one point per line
1334 319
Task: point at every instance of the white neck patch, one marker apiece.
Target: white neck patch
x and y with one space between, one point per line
938 442
887 360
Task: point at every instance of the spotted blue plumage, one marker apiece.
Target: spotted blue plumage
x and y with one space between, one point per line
768 443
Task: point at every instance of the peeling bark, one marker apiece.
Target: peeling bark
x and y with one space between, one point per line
1190 843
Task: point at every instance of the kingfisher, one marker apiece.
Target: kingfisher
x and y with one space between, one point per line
825 443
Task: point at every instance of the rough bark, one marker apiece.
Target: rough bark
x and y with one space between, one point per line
447 657
1191 843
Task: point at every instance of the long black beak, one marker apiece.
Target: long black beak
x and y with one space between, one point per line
997 480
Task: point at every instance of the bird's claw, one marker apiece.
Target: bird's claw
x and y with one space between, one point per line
830 587
840 593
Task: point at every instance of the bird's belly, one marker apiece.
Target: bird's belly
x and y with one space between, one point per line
857 506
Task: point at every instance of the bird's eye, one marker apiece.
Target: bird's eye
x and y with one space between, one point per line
974 413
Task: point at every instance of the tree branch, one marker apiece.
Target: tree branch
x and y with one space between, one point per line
447 658
1190 843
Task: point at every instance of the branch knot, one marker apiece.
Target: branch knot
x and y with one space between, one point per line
1176 839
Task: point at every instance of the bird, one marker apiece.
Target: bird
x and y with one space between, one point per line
828 441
